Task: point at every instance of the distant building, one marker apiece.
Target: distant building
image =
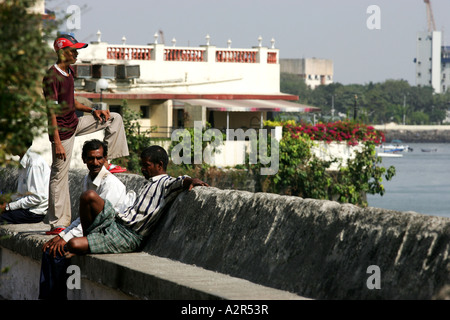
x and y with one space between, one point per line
432 61
314 71
174 86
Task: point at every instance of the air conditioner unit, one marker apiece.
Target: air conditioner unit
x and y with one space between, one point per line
90 85
100 106
105 71
128 71
82 71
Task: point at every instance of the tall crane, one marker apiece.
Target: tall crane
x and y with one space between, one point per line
430 18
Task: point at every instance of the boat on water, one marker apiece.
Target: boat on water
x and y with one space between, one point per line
396 146
429 150
389 155
393 150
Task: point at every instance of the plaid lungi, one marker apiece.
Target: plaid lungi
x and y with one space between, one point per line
108 235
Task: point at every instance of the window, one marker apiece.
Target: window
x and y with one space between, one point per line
115 108
180 118
145 112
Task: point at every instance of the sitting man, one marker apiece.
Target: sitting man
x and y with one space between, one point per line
108 186
109 231
30 203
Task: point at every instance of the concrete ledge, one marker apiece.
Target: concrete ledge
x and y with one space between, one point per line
136 275
314 248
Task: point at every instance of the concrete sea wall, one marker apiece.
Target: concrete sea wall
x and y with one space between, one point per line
297 247
318 249
416 134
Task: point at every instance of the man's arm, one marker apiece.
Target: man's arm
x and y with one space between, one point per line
50 90
59 149
102 115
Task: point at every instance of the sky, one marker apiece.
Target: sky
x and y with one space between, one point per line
364 45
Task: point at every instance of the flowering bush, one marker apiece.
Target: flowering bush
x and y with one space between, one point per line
349 131
303 174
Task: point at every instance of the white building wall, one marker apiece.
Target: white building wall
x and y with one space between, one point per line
314 71
436 61
428 60
157 75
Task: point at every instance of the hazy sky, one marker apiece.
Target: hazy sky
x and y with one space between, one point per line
327 29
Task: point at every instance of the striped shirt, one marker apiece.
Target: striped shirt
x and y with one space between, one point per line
153 198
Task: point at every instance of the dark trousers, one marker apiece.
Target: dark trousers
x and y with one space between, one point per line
20 216
52 284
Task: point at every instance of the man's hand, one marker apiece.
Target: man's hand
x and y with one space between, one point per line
55 245
101 115
59 150
190 183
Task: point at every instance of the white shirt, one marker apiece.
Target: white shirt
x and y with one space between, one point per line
32 184
108 187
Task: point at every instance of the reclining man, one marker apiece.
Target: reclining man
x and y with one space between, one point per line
108 231
108 186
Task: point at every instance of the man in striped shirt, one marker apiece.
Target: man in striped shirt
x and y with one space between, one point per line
108 231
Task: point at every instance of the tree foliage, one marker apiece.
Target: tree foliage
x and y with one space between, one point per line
24 57
377 103
136 139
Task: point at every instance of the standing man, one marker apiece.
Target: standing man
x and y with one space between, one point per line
30 203
64 126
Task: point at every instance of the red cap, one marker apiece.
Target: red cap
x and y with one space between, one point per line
67 41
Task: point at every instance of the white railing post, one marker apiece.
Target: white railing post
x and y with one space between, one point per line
158 52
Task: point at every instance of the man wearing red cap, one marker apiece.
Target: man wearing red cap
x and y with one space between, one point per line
64 126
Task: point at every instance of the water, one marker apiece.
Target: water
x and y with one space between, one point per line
421 183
